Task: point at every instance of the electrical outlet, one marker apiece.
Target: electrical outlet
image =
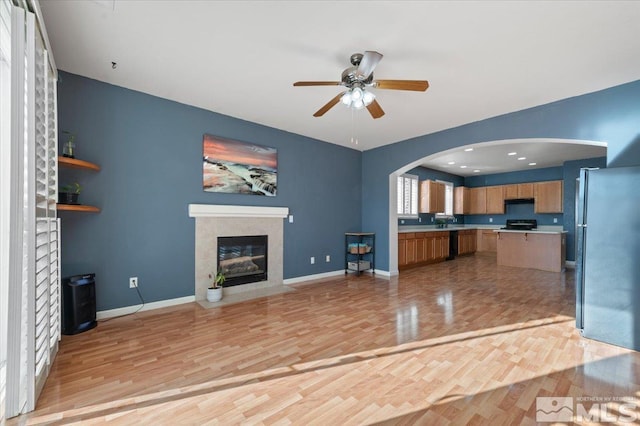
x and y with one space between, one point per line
290 218
419 219
328 259
555 220
431 219
133 282
490 220
313 260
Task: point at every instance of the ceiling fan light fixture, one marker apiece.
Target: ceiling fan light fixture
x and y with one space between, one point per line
368 97
346 98
356 94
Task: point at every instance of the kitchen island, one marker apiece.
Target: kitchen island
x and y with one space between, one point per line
544 250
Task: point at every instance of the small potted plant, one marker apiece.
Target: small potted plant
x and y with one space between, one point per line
69 194
214 292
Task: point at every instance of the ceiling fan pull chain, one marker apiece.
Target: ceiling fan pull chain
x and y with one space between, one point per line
354 136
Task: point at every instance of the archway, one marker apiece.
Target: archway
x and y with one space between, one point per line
393 215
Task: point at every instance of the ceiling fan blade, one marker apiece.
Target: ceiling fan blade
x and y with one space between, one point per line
375 110
328 105
416 85
369 61
317 83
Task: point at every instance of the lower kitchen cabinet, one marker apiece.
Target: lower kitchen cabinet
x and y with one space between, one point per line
467 241
422 248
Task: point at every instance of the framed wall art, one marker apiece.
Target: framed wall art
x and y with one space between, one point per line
238 167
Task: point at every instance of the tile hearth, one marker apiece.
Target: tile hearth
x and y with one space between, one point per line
245 295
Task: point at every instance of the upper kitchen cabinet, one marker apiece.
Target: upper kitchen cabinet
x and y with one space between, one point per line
525 190
461 200
478 200
548 196
432 196
518 191
495 199
510 192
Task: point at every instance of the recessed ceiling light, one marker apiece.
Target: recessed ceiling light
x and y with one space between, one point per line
451 162
469 149
532 164
522 158
463 167
512 153
476 171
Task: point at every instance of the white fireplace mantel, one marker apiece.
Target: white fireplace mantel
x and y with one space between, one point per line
215 210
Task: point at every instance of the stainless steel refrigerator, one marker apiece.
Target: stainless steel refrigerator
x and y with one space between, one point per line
608 256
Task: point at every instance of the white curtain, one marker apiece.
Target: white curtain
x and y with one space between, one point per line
31 283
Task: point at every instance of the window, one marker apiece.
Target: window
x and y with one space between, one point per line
408 196
448 200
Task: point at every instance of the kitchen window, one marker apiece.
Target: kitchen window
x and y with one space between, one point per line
448 201
408 196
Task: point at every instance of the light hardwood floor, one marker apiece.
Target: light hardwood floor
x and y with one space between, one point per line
461 342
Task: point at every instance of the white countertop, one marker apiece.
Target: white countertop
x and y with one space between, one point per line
433 228
543 229
532 231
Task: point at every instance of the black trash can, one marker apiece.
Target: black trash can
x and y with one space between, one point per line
78 303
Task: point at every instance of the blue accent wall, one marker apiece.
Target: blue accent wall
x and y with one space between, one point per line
521 176
611 115
150 151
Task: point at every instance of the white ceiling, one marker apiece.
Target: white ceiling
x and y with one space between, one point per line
240 58
511 155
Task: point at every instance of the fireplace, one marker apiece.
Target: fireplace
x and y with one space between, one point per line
213 221
243 259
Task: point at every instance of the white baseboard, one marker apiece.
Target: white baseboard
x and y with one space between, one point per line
312 277
385 274
570 264
147 307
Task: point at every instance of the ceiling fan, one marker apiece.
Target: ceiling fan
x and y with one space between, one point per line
357 79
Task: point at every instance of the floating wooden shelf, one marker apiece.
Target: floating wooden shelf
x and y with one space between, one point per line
73 163
78 208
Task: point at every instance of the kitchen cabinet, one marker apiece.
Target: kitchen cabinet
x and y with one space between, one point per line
432 197
525 190
487 240
406 248
461 200
518 191
467 241
495 200
478 200
510 192
548 196
422 248
440 246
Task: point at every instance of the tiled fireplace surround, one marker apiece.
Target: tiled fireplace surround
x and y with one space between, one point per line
213 221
